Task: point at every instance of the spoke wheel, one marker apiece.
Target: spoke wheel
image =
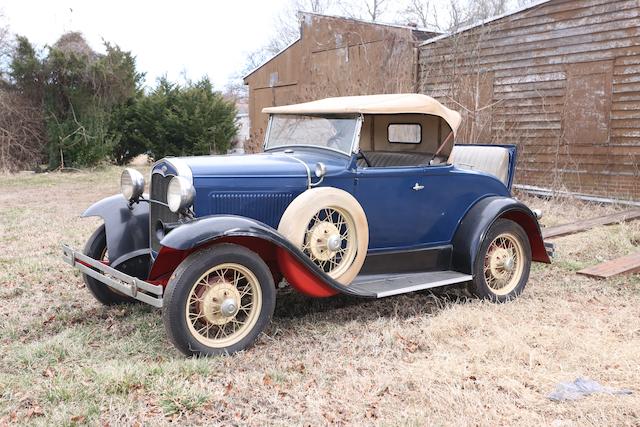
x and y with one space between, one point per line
330 227
218 301
503 264
330 241
223 305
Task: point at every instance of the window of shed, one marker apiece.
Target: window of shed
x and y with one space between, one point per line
404 133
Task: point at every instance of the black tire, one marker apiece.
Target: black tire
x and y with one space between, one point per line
95 248
188 275
515 235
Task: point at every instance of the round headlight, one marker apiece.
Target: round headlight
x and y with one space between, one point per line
131 184
180 193
321 169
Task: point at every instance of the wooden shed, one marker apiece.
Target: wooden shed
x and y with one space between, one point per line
335 56
561 79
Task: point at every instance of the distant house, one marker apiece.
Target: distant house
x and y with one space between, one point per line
561 79
244 125
335 56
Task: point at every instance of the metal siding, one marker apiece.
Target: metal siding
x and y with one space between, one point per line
531 58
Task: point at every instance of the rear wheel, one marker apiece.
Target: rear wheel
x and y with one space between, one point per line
96 248
501 268
218 301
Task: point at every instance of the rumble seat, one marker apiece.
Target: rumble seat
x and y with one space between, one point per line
493 160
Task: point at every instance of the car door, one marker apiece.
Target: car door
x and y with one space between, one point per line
393 199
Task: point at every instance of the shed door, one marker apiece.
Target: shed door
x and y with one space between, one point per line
588 103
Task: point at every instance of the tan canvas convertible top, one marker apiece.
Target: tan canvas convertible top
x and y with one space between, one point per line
401 103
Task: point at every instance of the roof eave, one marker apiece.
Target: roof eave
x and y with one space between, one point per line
265 62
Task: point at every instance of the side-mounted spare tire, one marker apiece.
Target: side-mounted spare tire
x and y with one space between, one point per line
330 227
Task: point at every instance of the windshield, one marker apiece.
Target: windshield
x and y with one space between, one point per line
327 132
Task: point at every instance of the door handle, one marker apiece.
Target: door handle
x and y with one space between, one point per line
418 187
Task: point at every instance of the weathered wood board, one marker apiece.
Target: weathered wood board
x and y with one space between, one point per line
624 265
587 224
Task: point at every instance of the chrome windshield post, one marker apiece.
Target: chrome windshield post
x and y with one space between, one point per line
266 135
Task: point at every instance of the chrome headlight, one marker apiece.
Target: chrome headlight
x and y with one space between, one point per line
131 184
180 193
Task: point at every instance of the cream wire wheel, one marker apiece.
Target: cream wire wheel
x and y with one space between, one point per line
330 227
218 300
503 264
223 305
330 241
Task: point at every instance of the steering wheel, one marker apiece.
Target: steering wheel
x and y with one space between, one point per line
361 155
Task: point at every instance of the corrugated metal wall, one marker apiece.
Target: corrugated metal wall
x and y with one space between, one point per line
561 80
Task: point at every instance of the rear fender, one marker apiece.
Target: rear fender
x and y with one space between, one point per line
278 252
127 227
475 224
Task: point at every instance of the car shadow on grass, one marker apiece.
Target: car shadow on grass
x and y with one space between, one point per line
292 304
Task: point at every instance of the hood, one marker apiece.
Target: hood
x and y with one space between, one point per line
270 164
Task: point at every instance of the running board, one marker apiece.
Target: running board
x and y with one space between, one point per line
385 285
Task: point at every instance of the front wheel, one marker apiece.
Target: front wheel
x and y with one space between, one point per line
96 248
502 265
218 301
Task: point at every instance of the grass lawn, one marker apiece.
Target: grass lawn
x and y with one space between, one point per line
418 359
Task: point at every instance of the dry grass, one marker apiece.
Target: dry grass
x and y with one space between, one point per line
412 360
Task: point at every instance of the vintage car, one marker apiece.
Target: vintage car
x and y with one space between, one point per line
363 195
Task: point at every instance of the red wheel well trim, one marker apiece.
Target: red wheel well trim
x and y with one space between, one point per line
279 260
530 226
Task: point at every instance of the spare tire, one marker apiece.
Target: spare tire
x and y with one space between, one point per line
330 227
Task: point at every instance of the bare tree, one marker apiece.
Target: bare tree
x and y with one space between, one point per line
457 13
422 12
287 22
369 10
22 137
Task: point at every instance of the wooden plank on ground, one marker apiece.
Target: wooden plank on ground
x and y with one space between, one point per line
587 224
624 265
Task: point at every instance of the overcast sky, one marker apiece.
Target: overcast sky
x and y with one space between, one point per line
199 37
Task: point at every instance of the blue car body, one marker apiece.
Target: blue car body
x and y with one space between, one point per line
425 217
261 186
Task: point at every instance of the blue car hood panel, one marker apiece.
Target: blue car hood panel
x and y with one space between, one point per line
271 164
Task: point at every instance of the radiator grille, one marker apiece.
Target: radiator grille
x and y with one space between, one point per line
157 212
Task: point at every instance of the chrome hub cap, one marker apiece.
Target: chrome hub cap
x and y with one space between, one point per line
508 263
334 242
220 302
229 307
325 241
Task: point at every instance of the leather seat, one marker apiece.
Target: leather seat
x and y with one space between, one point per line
382 159
493 160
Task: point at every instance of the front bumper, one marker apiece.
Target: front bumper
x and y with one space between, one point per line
116 280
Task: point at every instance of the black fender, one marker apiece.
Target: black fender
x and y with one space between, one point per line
477 221
127 227
207 230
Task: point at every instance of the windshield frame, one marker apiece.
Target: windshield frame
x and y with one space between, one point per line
354 143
